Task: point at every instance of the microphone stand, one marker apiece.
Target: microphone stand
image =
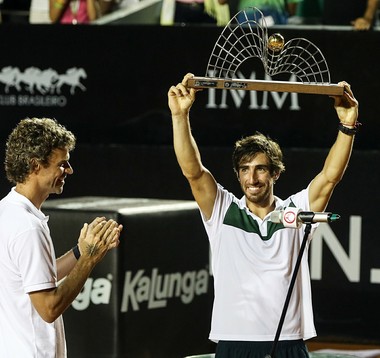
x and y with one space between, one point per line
290 290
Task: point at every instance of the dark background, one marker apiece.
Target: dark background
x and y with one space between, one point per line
125 150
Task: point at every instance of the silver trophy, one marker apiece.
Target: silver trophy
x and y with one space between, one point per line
245 37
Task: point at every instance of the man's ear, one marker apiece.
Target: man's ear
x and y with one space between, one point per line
35 166
276 176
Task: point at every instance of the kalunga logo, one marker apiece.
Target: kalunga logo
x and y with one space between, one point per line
37 87
144 290
155 290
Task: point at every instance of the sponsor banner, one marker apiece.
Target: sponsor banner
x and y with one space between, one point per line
109 84
152 296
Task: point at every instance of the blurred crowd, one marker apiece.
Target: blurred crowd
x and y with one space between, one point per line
359 14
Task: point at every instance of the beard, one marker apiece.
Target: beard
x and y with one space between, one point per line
261 198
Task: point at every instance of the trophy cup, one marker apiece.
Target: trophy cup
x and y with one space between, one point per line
246 36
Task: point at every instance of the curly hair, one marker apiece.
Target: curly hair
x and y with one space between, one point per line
247 148
34 139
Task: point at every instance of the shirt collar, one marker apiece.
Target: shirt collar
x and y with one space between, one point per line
279 203
27 204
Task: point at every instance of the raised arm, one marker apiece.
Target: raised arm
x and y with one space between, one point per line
56 9
365 22
202 183
322 186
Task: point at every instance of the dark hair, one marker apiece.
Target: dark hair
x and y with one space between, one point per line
34 139
248 147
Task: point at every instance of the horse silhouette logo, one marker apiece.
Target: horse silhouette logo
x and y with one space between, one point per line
43 81
71 78
8 76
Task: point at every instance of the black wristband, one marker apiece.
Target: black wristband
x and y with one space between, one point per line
346 130
76 252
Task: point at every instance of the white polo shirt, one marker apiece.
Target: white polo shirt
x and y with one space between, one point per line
252 263
27 264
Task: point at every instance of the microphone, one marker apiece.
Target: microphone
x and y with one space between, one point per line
294 217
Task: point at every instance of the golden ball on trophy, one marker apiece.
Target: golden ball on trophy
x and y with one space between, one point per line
276 42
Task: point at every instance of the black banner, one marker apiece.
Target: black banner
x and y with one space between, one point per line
109 84
150 297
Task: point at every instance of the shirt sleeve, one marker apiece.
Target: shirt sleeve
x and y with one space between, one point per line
34 255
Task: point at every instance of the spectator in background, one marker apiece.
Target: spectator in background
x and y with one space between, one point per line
361 14
68 11
195 12
73 11
276 12
309 12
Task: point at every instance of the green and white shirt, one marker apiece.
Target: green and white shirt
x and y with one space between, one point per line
252 264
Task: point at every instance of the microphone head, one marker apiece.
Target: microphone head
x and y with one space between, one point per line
287 217
334 217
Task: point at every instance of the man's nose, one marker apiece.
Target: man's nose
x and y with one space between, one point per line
69 169
252 173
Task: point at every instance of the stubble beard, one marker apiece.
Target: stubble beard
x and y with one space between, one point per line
259 199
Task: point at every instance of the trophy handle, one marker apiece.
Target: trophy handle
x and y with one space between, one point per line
272 86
